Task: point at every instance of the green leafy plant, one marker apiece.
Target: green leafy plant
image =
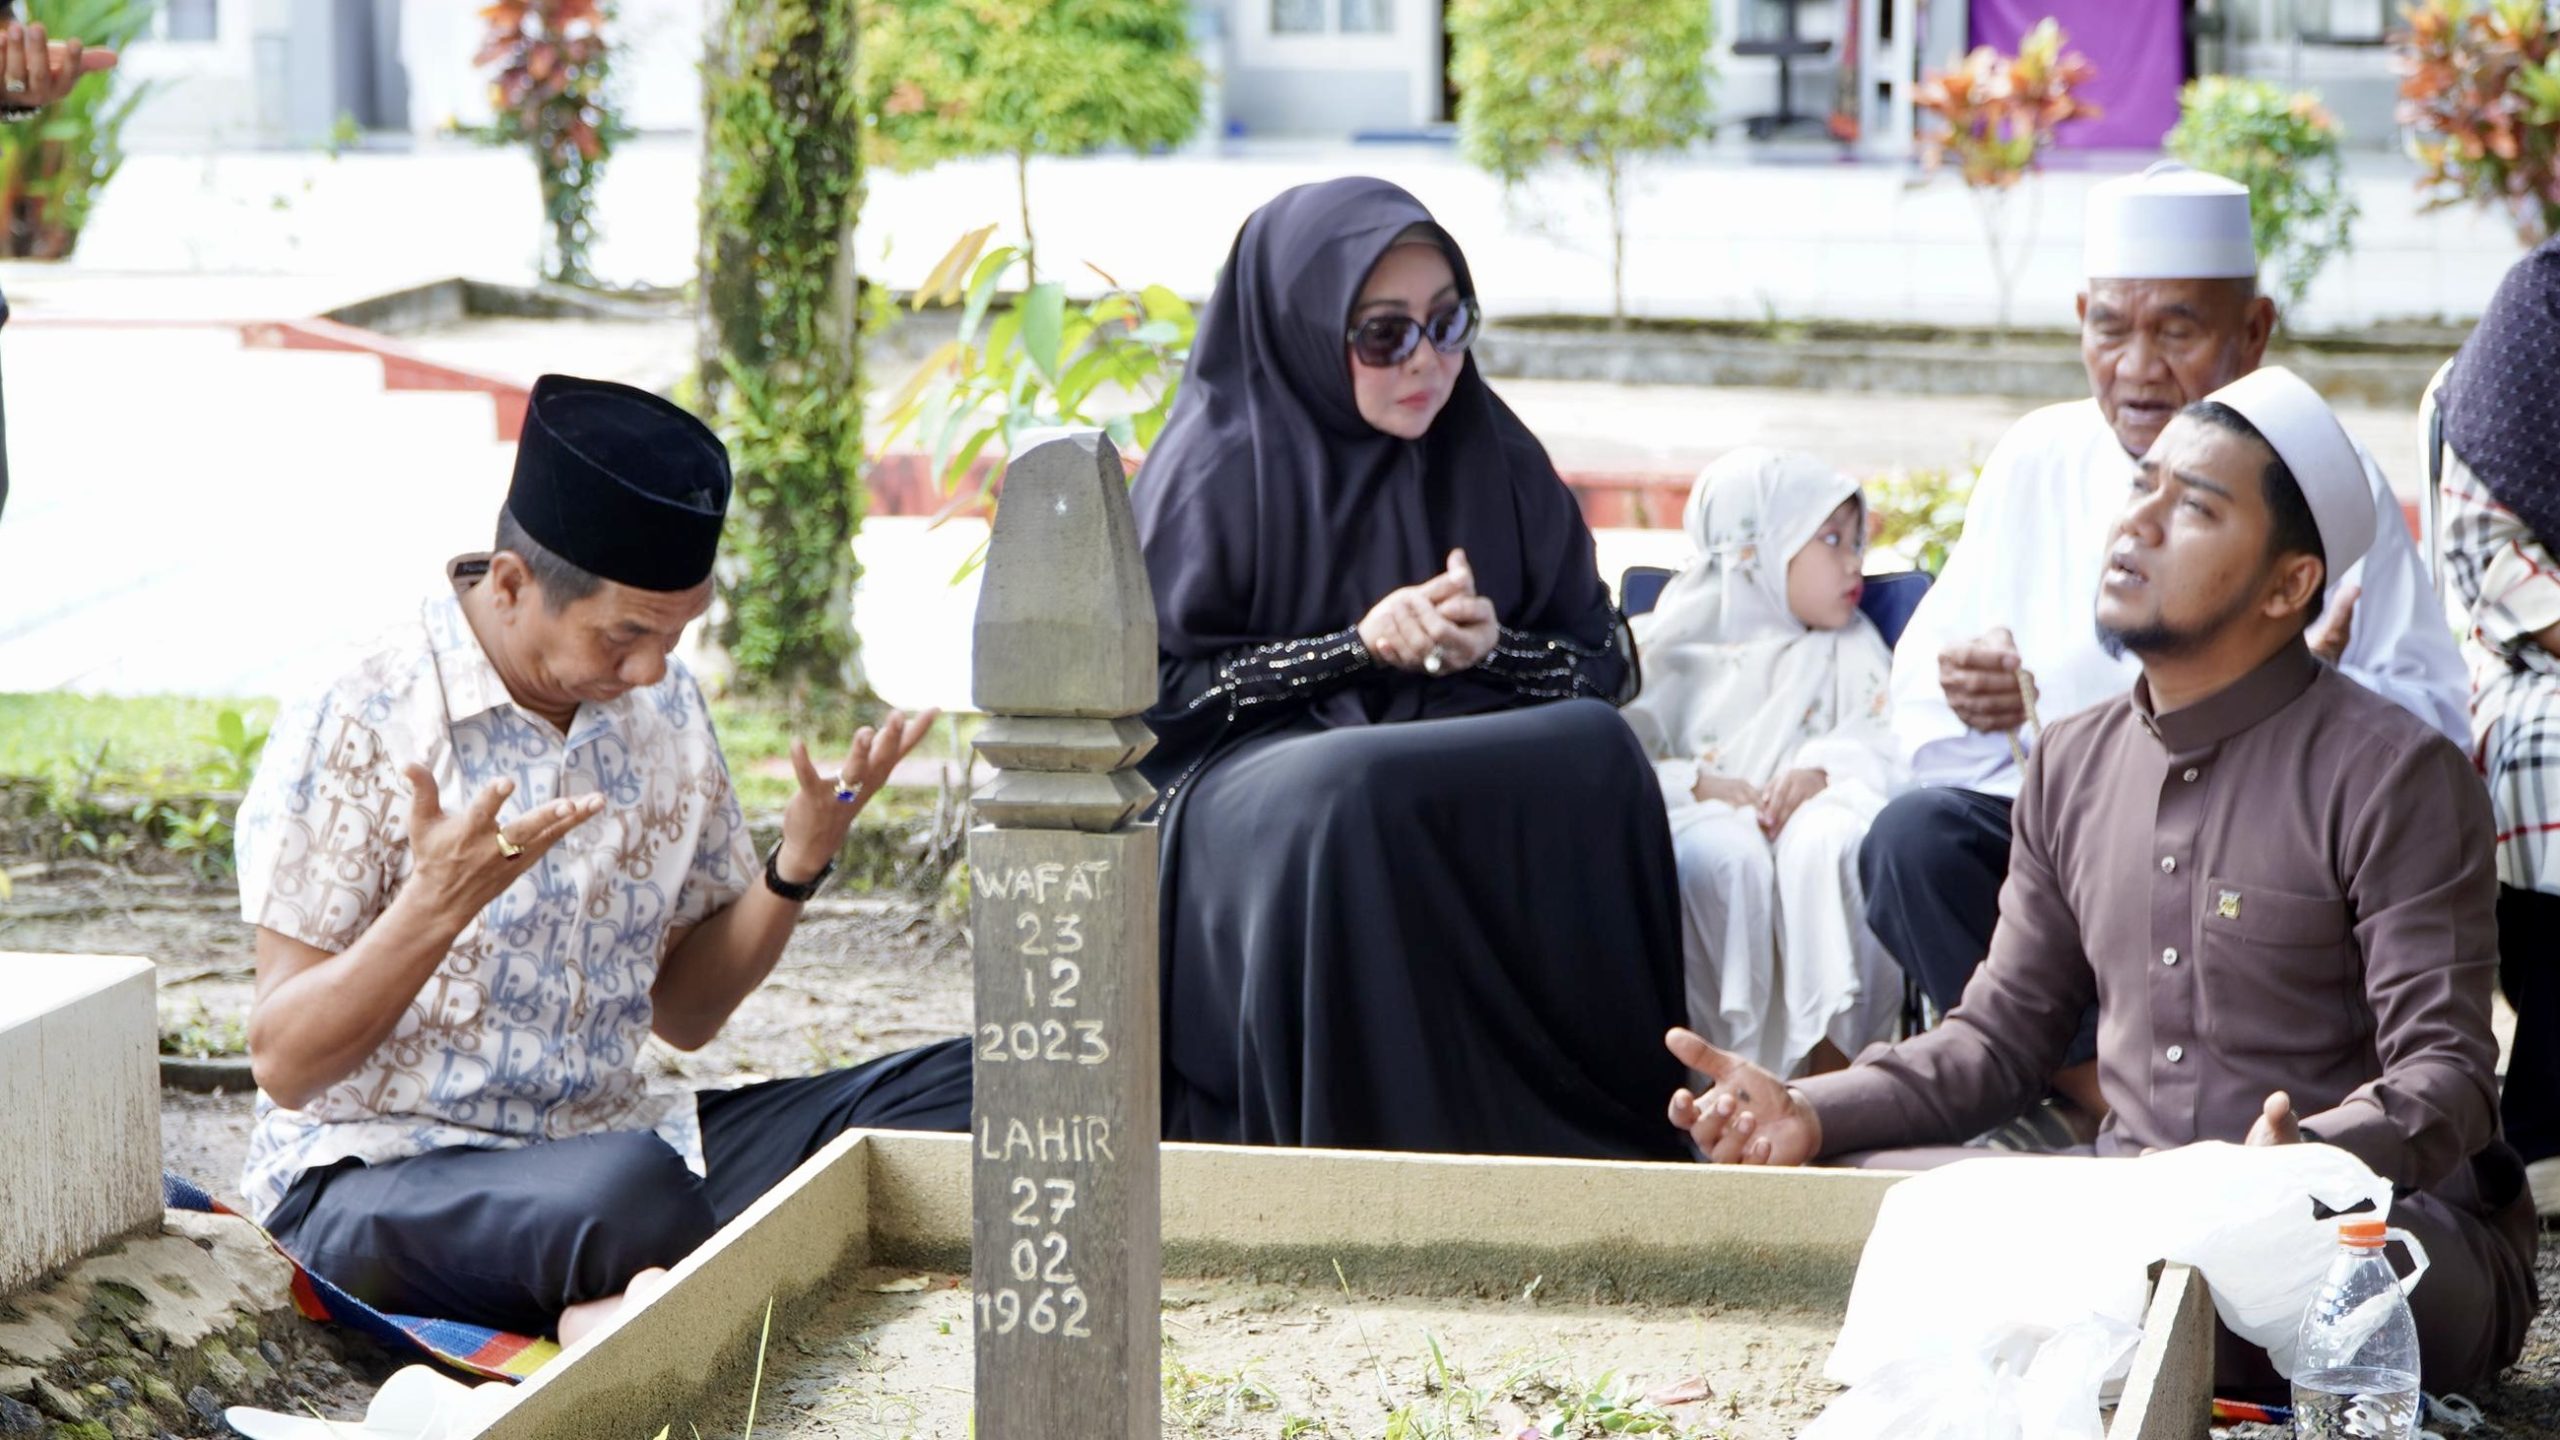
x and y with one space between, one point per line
960 79
200 835
1114 362
1596 85
237 744
2284 147
551 93
202 1035
1919 514
2480 92
1195 1400
1998 114
780 373
53 167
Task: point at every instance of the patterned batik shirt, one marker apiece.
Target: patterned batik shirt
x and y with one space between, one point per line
532 1027
2509 590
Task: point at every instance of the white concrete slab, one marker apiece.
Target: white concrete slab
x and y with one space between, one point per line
79 1108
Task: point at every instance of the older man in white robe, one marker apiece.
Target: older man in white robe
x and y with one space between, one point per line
2170 315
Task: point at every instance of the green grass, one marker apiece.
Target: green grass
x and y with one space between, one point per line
57 736
54 736
120 774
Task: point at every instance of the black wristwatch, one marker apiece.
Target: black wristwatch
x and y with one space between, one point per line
796 894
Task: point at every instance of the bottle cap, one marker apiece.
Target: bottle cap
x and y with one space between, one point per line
2361 1234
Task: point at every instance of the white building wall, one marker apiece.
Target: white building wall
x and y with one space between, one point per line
1275 83
269 77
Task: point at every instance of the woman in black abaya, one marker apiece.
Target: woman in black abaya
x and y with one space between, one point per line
1418 888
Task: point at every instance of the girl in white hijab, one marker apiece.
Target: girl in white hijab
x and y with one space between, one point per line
1764 712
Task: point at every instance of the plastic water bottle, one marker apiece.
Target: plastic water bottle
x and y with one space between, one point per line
2356 1373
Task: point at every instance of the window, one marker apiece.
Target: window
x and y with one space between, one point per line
1297 17
196 20
1368 17
1333 17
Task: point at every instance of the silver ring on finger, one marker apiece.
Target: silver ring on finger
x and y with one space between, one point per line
1434 663
848 791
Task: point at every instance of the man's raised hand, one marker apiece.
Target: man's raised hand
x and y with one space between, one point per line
35 71
2276 1123
1750 1117
1980 678
821 811
461 860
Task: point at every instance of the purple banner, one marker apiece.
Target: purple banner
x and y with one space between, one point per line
2137 46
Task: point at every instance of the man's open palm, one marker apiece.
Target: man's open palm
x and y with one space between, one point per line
1749 1118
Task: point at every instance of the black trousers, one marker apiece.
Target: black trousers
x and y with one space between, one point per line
1933 864
510 1238
2529 973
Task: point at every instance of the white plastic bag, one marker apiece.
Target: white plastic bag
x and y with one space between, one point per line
1965 1255
1999 1297
2024 1385
2243 1215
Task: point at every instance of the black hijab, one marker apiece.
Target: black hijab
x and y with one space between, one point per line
1270 511
2501 401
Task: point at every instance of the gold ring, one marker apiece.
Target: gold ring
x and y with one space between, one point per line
508 847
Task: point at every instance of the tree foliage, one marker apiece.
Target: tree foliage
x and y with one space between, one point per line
961 79
1591 84
780 375
2284 147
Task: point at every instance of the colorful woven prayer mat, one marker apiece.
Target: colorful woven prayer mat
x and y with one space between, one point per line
471 1349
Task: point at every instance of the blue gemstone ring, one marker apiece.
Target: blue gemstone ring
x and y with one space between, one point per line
846 793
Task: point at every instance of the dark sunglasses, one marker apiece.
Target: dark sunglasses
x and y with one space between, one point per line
1384 340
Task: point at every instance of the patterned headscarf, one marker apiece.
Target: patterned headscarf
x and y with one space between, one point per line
2501 401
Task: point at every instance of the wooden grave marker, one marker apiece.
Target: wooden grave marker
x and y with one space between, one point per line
1065 1241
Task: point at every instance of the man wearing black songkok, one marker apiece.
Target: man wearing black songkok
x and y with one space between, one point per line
488 862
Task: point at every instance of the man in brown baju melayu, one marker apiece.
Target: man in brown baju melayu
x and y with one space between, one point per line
2277 887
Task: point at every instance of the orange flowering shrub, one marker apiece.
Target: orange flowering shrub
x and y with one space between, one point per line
2480 84
549 93
2000 113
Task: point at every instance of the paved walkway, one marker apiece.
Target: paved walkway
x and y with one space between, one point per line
1732 234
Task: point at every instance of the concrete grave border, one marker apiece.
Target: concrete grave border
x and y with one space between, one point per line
1661 1233
79 1108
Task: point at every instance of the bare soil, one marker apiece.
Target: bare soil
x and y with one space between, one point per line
1243 1359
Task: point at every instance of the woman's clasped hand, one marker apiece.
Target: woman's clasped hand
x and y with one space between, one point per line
1438 627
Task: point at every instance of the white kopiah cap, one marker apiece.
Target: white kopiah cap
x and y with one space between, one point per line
2307 437
2170 223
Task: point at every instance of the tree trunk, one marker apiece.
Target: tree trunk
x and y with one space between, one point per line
1022 194
778 346
1617 241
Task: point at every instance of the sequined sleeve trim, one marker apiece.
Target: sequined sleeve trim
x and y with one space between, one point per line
1552 667
1289 670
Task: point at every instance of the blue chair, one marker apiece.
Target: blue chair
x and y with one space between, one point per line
1889 600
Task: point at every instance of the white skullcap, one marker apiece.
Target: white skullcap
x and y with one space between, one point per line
2170 223
2306 435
